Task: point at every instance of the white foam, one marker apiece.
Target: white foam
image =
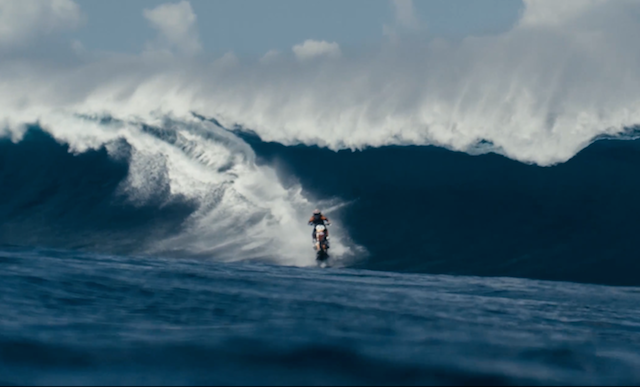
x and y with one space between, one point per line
244 212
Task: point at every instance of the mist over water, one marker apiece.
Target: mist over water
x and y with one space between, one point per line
564 75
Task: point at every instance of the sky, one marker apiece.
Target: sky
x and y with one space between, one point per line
254 27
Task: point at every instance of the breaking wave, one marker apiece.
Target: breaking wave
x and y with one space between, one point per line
490 155
179 188
195 189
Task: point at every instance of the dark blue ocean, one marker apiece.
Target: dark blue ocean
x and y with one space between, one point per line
473 270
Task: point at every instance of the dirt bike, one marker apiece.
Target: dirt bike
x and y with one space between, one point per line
321 244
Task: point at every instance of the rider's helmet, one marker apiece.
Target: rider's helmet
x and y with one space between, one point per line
316 212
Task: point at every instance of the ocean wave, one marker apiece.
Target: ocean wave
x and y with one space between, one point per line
426 209
195 189
182 188
540 94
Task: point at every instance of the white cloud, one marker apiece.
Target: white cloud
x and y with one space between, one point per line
21 21
406 20
406 14
311 49
78 47
176 24
226 61
547 13
270 57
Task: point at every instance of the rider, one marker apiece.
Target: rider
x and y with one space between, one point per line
316 219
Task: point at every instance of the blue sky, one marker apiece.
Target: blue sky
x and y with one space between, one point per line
253 27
